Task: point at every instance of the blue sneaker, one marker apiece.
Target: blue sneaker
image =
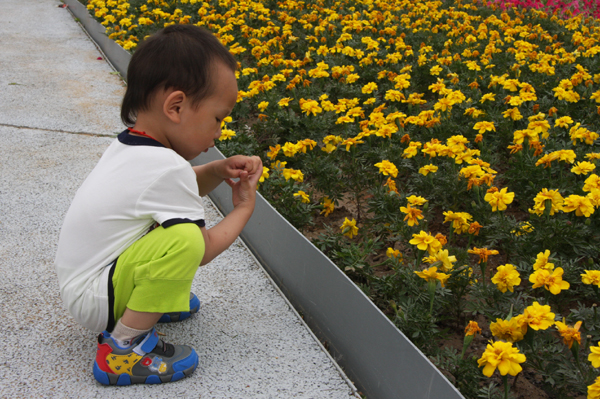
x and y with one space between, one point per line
147 361
178 316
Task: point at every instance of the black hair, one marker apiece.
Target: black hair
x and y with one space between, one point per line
181 57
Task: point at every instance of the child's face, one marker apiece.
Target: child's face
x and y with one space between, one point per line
201 125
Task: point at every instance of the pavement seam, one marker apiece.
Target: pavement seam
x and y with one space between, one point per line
59 131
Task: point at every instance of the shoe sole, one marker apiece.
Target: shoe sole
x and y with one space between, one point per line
125 379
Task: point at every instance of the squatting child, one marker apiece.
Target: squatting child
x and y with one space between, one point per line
135 235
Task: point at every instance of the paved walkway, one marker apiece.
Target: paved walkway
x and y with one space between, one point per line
59 110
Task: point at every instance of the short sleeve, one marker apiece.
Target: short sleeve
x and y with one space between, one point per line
173 198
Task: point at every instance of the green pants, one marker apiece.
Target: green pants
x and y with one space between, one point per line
155 273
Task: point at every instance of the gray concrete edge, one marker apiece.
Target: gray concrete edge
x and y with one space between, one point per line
362 340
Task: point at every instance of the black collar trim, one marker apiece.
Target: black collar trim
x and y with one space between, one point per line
128 139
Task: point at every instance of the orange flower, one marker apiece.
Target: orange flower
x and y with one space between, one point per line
483 253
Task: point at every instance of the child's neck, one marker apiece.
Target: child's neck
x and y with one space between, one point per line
152 127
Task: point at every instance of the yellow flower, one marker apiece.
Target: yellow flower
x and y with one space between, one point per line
472 328
483 253
349 228
393 253
569 334
512 330
499 199
289 149
425 170
581 205
387 168
583 168
310 107
431 274
506 278
284 102
594 390
265 174
391 185
538 317
416 200
553 282
303 196
263 105
273 151
444 260
503 356
556 201
294 174
328 206
426 242
541 261
369 88
412 215
591 277
564 121
594 356
460 221
484 126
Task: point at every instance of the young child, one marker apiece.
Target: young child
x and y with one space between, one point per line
134 235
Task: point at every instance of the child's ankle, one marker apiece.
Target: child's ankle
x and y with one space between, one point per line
124 335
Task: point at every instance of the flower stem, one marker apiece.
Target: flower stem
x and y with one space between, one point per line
505 381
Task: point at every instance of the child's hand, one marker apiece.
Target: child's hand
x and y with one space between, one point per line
232 167
249 171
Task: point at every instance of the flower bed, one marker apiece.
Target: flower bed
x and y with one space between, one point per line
442 154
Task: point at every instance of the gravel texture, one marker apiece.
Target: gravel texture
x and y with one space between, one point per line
251 343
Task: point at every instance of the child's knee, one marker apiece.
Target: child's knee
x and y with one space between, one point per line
190 242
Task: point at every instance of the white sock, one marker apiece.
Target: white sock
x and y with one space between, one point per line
124 335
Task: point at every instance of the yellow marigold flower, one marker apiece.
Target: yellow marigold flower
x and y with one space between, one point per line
542 261
591 277
294 174
328 206
425 170
289 149
460 221
310 107
483 253
552 281
472 328
488 97
445 261
387 168
303 196
506 278
502 356
564 121
569 334
499 199
512 330
263 105
581 205
583 168
426 242
593 181
539 317
284 102
349 228
416 200
273 151
264 175
431 274
556 202
594 390
513 113
391 185
226 134
412 215
394 95
393 253
484 126
594 356
369 88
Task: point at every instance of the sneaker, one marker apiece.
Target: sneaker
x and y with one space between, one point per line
148 361
178 316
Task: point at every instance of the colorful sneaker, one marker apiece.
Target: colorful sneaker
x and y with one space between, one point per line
178 316
147 361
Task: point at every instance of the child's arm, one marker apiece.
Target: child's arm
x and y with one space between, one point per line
218 238
210 175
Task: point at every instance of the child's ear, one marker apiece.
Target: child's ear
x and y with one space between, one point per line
173 105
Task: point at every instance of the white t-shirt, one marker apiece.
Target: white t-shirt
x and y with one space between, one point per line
136 183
